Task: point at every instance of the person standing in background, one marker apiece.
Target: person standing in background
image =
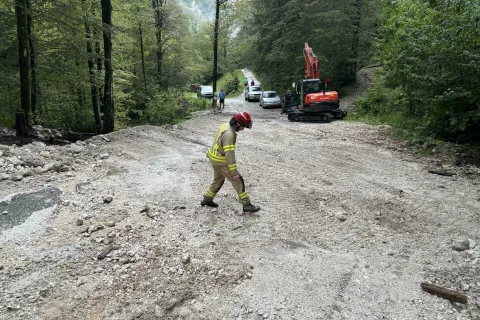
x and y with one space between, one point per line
215 102
222 99
287 101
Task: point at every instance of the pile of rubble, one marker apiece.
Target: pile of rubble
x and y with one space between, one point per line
38 157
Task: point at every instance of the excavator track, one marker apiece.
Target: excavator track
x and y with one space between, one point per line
294 114
310 117
339 114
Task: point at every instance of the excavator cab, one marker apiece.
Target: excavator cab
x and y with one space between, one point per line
305 87
314 98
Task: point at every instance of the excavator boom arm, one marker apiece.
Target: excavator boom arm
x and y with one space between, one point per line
311 63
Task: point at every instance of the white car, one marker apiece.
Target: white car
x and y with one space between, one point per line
270 99
205 92
253 93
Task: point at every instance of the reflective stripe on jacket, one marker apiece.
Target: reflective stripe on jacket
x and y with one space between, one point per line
222 151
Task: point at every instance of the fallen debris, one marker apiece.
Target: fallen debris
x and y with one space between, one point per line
444 293
107 198
105 252
441 172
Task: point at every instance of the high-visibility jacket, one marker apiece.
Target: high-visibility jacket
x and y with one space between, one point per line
222 151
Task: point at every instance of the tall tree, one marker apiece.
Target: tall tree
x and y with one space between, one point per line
142 52
215 43
32 59
357 18
98 55
109 113
24 118
277 30
158 10
91 69
99 61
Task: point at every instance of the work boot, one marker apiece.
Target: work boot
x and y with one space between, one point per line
250 208
208 202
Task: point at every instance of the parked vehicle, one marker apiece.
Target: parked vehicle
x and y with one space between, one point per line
253 93
270 99
205 92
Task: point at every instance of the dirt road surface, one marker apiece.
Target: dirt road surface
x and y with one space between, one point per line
351 225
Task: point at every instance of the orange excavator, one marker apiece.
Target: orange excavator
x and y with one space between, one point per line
316 104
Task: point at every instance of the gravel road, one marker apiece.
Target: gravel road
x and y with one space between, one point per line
351 225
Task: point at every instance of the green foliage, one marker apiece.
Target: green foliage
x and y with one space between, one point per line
431 53
63 83
340 33
380 100
229 85
7 117
80 121
171 107
9 81
382 104
67 110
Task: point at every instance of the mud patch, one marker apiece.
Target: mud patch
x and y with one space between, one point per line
16 209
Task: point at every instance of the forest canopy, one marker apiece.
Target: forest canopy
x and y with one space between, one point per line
57 57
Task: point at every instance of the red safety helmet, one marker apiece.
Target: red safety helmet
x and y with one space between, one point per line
244 119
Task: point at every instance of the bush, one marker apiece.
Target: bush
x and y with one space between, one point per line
172 106
67 114
231 82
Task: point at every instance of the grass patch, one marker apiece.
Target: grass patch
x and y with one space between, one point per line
231 82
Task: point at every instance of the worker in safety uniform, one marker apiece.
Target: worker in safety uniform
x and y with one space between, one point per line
222 157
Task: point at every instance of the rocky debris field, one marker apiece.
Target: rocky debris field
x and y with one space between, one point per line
351 224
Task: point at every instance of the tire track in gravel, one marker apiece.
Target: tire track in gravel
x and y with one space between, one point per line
353 176
335 162
301 175
169 157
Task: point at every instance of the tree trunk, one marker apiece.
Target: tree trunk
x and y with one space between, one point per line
356 36
108 118
20 124
143 55
24 66
78 107
215 46
215 43
32 60
157 7
91 71
98 54
444 293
